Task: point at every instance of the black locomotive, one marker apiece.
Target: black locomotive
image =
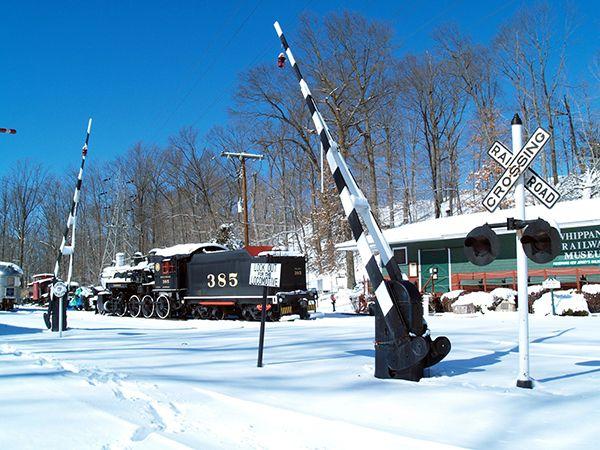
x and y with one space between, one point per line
204 281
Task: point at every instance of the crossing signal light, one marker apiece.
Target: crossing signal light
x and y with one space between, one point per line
482 245
541 242
281 60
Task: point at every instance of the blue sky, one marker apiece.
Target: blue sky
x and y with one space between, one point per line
144 69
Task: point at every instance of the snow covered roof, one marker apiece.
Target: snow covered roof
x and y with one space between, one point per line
8 268
109 272
275 252
187 249
576 213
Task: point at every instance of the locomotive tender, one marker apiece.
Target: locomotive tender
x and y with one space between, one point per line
204 281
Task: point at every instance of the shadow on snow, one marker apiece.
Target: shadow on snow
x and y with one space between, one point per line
7 330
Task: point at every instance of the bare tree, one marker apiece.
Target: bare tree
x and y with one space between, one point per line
26 194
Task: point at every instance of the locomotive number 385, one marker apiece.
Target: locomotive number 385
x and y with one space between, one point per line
222 280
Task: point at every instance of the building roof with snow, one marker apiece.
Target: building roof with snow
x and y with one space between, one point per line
571 214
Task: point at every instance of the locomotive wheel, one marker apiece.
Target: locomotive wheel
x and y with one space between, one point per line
304 313
217 313
109 307
163 306
120 307
147 306
134 306
247 314
203 312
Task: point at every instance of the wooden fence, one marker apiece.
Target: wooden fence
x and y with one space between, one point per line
568 276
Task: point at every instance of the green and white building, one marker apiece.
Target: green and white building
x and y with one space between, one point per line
422 247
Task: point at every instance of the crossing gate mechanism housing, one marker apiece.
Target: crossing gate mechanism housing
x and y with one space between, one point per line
403 345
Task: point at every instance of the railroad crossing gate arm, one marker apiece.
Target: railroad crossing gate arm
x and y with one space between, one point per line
398 300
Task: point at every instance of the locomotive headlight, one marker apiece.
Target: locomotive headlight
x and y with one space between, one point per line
157 267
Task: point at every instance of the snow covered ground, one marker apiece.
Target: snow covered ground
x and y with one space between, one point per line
135 383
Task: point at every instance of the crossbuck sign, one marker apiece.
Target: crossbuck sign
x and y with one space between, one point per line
515 166
535 184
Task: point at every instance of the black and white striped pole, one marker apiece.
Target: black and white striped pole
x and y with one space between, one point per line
68 250
402 342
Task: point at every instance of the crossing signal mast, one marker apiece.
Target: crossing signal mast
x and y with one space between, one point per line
403 345
535 239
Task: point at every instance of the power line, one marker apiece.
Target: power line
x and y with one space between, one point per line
243 157
210 65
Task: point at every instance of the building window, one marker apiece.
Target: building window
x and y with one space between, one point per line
400 255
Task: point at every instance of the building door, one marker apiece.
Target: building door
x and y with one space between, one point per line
432 260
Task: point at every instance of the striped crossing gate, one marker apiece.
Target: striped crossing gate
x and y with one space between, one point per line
403 346
64 249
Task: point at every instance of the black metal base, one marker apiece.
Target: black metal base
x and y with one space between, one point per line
525 384
52 315
405 355
397 359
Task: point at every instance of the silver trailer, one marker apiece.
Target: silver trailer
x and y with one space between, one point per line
10 285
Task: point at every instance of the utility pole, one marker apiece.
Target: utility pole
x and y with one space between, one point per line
242 157
117 201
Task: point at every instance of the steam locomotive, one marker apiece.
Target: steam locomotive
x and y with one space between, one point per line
203 281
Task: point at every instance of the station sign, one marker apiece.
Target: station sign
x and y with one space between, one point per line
551 283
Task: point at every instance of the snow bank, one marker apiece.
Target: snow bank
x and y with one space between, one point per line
505 294
563 302
535 289
452 295
483 300
118 383
591 289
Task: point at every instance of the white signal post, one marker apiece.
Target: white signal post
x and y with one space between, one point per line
523 379
516 165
